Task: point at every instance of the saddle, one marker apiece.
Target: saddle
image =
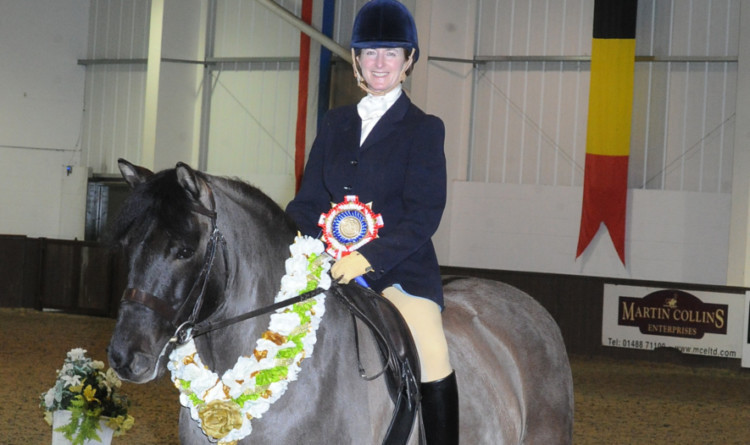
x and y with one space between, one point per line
397 350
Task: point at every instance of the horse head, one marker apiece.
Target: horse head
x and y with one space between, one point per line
177 272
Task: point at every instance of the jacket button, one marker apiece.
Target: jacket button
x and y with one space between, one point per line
347 187
355 162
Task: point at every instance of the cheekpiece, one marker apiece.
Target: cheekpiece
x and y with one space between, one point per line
348 226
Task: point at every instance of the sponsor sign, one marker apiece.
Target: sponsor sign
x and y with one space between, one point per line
693 322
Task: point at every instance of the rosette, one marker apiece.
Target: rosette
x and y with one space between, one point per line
348 226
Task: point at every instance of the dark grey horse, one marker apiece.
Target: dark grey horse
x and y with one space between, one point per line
513 372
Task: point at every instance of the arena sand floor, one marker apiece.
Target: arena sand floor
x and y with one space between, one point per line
616 401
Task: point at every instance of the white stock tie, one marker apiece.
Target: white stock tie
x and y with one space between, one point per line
372 108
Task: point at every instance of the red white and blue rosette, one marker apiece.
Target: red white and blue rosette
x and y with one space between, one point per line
348 226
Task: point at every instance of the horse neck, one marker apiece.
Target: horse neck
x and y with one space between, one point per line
256 248
257 240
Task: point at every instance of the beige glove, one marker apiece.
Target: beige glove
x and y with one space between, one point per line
350 267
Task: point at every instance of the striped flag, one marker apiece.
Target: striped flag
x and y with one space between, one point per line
605 179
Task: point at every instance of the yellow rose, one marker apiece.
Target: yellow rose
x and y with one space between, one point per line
219 417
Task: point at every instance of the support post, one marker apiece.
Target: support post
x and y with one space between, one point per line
153 71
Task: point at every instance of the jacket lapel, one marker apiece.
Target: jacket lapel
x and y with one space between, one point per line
350 130
388 123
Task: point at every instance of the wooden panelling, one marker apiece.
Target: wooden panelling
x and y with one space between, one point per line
71 276
576 303
85 278
95 287
60 272
14 281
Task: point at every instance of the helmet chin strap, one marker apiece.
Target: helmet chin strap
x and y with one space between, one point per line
361 80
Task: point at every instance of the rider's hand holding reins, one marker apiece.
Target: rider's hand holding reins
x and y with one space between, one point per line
349 267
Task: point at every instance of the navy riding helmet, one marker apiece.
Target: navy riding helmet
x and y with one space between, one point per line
385 24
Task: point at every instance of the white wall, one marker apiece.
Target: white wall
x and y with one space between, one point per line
670 236
444 89
38 197
178 115
41 107
254 106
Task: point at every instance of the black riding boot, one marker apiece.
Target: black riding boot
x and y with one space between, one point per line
440 411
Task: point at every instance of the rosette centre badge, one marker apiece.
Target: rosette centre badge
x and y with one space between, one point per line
349 225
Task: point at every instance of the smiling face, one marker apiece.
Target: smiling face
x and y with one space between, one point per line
382 67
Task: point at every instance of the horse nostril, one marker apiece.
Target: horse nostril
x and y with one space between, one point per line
134 366
141 363
116 359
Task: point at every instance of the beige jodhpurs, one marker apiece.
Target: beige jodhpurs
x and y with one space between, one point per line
426 325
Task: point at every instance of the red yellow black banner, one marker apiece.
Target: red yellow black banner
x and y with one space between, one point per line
605 178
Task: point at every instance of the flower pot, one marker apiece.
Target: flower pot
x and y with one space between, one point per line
62 418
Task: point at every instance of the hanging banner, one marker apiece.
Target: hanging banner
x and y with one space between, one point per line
605 176
693 322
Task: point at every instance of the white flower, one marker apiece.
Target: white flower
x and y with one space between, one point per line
236 379
200 381
204 385
71 380
284 323
305 245
258 407
214 393
293 284
67 368
325 281
77 354
296 265
49 398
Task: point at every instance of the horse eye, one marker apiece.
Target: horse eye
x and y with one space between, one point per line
185 253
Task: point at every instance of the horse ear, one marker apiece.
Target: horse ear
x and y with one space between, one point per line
194 184
133 174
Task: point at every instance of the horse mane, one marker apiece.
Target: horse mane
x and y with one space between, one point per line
261 208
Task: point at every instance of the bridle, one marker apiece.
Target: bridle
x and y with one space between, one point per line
190 328
197 292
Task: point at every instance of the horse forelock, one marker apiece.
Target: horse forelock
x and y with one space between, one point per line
160 201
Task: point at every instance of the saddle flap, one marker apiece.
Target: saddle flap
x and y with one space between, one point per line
398 352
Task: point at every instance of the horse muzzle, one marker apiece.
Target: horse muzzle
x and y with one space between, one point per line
138 344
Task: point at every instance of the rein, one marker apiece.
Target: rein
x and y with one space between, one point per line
184 336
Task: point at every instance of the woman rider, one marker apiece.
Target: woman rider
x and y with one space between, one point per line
389 153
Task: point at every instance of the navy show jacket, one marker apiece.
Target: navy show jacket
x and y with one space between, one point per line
400 168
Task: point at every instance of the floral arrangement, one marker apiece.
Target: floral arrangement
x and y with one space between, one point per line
90 394
224 405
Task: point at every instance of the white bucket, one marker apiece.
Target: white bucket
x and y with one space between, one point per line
62 418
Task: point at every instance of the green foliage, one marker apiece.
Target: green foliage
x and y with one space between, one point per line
90 394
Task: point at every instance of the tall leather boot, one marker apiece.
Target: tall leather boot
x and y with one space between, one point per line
440 411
